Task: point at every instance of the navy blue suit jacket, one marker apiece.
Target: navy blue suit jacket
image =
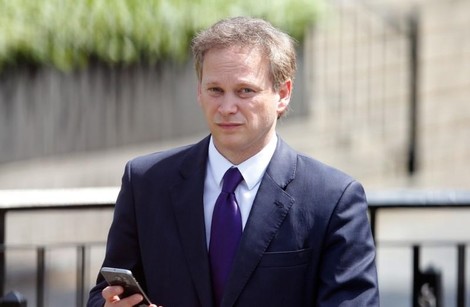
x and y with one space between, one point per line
307 241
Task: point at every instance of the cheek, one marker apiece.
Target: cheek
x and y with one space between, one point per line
205 103
263 114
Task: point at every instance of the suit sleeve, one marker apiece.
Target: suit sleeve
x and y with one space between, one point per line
348 274
122 249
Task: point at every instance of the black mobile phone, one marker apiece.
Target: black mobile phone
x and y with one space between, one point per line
125 279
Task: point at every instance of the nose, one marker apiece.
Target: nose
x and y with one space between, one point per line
228 105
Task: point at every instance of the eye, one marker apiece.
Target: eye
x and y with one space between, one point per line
246 92
215 90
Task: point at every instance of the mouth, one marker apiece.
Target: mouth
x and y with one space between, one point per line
228 126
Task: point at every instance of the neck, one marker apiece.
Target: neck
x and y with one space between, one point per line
238 156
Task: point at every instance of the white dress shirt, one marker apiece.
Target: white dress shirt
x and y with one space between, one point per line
252 170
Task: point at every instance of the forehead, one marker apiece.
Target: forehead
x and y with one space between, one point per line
235 61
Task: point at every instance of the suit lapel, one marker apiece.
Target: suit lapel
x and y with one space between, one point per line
269 210
187 196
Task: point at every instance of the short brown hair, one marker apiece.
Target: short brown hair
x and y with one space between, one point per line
278 46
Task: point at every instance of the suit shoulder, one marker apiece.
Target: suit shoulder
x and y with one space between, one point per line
311 167
289 165
185 158
328 186
156 157
163 160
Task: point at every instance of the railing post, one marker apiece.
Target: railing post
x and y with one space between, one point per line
416 272
373 222
81 274
461 275
40 276
2 251
427 285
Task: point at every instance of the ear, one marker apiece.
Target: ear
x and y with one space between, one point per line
285 91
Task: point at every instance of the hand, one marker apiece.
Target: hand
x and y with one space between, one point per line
111 295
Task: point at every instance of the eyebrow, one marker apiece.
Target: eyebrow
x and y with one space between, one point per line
243 83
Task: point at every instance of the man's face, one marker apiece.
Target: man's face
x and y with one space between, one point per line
239 102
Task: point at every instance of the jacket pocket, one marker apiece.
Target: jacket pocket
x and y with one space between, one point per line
286 258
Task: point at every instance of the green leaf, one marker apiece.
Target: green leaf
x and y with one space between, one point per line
67 33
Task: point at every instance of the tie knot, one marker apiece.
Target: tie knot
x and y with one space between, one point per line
232 179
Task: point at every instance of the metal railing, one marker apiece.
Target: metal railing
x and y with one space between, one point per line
419 199
57 200
85 199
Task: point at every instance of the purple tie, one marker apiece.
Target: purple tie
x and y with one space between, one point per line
226 231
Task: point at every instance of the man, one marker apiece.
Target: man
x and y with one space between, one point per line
297 233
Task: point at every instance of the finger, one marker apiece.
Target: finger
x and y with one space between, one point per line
114 299
133 299
111 293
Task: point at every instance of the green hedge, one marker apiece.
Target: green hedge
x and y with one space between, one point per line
66 34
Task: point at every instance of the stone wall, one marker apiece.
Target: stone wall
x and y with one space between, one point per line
45 112
445 93
361 79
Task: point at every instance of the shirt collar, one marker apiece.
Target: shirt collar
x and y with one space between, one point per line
252 169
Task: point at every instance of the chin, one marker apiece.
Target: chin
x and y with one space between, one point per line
228 142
